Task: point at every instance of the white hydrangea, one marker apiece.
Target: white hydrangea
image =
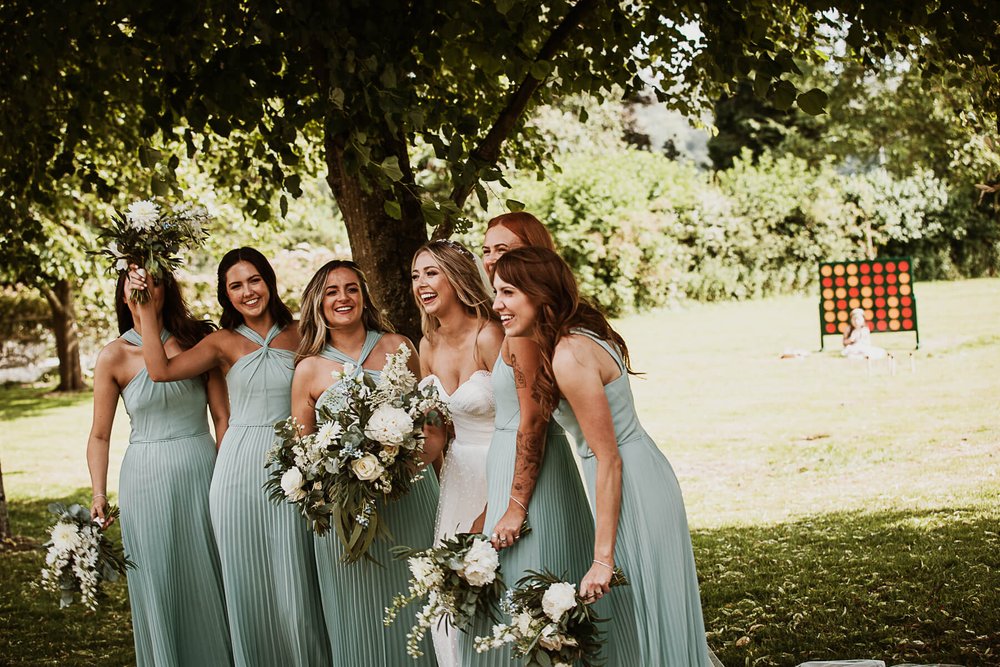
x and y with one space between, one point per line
426 574
142 214
479 566
558 599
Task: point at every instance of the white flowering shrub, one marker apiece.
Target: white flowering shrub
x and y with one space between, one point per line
365 451
550 624
80 556
457 580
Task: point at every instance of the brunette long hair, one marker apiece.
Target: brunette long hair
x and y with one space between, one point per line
312 323
232 318
547 280
526 227
177 318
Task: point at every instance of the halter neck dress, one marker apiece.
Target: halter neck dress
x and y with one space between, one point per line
654 544
355 595
268 565
175 591
562 530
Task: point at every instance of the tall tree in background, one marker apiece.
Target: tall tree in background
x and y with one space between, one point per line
371 81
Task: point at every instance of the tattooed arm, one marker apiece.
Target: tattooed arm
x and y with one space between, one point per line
531 432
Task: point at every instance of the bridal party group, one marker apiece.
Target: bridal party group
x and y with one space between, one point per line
543 433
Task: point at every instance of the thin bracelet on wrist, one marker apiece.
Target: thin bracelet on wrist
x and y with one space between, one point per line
601 562
98 495
520 504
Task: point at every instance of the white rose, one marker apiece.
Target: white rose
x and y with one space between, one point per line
389 425
550 638
142 214
479 566
366 468
291 484
558 599
65 536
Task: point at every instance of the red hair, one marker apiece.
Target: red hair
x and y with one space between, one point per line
526 227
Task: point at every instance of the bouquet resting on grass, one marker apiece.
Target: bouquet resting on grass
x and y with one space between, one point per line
151 236
457 580
80 556
551 625
366 450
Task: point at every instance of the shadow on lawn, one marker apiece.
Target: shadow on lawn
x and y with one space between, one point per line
20 401
917 586
900 586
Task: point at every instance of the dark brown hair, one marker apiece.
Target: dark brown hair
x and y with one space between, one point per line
232 318
546 279
177 319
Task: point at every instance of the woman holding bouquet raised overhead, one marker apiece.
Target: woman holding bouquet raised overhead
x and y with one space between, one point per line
268 567
583 383
178 610
461 341
343 331
532 475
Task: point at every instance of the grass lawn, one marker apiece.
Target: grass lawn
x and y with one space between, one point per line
837 511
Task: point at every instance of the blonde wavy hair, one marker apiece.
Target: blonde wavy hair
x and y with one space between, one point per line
459 267
313 325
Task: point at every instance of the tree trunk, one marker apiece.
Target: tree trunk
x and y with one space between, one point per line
60 298
383 247
5 532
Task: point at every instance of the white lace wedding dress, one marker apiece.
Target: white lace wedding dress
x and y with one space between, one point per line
463 476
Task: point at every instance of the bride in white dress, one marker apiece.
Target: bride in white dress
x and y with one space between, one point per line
461 339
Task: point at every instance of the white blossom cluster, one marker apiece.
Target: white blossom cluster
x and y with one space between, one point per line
72 562
476 564
525 627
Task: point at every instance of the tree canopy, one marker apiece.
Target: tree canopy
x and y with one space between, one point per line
365 85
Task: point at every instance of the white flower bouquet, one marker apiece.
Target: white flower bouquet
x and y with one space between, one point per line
550 623
366 451
151 236
80 556
458 579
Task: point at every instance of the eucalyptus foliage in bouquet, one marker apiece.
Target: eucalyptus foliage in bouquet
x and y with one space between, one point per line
459 579
550 624
365 451
151 237
80 556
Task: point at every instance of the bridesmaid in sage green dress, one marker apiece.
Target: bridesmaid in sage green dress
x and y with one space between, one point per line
175 592
268 566
530 466
641 522
340 325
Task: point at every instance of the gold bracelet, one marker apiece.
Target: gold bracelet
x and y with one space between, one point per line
520 504
98 495
601 562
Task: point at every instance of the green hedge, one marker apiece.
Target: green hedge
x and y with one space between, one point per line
641 231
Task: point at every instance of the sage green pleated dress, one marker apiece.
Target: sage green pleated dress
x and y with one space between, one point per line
562 530
268 567
654 544
355 595
178 610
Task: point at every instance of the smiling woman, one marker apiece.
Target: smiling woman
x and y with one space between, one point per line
264 548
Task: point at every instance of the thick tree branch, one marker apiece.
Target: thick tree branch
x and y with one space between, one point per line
488 150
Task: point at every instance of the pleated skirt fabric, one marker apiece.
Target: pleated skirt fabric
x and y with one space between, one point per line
355 595
268 566
178 609
561 540
654 550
